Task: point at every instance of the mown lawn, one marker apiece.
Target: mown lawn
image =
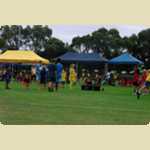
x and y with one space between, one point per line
116 105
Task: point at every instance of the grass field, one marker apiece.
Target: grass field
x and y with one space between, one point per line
116 105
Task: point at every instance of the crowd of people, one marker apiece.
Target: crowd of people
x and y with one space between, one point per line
55 75
50 76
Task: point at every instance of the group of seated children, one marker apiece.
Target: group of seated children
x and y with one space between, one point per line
90 82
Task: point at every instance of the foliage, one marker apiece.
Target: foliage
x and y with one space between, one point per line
111 44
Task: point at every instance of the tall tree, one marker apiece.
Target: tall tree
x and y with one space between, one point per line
34 37
54 48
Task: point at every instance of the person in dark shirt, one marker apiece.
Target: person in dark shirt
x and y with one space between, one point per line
43 76
51 77
7 78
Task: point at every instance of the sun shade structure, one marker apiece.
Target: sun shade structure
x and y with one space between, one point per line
73 57
125 58
22 56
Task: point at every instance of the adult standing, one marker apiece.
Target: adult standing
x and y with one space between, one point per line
43 75
51 77
59 69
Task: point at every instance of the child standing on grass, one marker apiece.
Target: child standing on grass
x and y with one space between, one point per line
27 80
146 85
43 77
144 76
51 77
63 77
72 75
136 79
7 78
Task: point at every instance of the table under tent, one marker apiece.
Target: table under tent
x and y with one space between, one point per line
124 65
87 61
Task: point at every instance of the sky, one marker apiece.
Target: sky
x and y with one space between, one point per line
67 32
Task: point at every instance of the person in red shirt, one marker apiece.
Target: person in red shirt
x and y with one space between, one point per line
136 80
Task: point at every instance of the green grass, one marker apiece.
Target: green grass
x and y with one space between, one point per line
116 105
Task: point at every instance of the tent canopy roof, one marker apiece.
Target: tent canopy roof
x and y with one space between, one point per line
22 56
125 58
82 57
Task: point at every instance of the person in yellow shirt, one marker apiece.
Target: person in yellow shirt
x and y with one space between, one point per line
63 77
147 83
72 75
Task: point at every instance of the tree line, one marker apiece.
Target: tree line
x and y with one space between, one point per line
111 44
108 42
38 38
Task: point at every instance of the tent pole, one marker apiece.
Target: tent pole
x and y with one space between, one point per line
77 67
12 70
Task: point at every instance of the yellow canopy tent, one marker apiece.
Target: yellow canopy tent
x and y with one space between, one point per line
22 56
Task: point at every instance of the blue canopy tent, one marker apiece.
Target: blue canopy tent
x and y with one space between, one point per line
69 57
89 60
74 57
125 58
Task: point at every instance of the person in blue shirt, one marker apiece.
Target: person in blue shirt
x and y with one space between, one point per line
59 69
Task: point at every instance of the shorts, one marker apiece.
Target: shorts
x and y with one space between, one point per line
147 83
